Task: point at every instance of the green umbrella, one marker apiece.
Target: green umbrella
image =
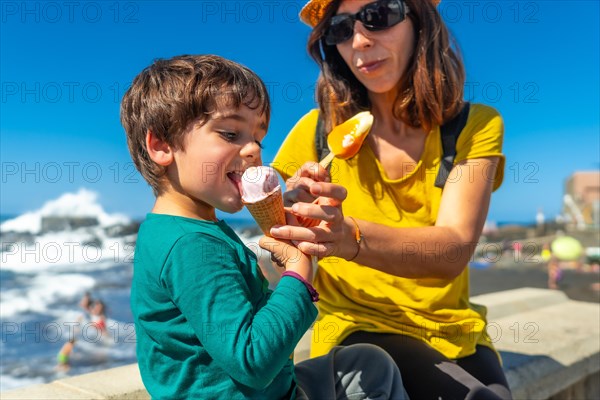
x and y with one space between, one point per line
566 248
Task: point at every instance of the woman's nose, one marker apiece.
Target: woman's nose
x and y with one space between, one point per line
360 39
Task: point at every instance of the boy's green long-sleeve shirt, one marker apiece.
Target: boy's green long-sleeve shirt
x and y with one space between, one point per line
207 325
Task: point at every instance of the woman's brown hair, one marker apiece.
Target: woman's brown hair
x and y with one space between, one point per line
431 91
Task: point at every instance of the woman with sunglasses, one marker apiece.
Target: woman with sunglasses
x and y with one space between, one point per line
397 245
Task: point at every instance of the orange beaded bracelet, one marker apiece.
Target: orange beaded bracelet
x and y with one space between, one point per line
357 236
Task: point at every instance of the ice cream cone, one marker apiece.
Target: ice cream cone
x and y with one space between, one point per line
268 211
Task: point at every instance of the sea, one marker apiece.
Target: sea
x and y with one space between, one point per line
52 257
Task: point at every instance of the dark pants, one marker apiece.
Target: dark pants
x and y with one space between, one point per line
427 374
358 372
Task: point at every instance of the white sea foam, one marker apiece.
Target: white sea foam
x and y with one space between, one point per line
85 248
82 249
84 203
42 291
8 382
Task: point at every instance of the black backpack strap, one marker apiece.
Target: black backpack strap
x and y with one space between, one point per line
321 140
449 133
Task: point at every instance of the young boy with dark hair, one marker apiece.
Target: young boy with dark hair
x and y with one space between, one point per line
207 325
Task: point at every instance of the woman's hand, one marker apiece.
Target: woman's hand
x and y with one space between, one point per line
330 234
298 186
298 189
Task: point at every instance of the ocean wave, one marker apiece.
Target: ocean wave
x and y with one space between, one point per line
80 250
9 382
42 293
84 203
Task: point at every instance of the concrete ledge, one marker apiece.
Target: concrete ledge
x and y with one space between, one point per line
115 383
515 301
549 349
549 346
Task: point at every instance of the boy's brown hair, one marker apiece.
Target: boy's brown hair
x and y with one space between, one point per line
172 93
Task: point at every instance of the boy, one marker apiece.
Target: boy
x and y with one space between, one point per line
207 326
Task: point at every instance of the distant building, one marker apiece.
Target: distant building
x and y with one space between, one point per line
581 202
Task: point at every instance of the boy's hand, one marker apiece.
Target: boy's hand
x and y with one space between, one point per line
284 254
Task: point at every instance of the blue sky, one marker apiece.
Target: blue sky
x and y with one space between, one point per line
65 65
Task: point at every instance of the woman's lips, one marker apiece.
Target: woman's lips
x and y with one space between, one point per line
369 67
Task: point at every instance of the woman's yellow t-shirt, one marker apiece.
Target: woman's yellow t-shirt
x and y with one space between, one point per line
357 298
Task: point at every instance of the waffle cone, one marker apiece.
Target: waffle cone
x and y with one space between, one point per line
269 211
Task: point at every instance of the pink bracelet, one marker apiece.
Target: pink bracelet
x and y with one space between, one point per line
314 295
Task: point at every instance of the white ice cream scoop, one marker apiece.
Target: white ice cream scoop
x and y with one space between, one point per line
258 183
261 194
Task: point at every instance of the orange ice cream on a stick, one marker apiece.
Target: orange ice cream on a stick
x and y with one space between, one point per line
346 139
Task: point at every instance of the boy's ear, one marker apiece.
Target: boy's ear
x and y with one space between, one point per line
159 151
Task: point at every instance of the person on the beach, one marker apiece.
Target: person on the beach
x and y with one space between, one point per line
98 315
95 310
563 249
517 248
552 265
63 358
207 325
86 302
398 245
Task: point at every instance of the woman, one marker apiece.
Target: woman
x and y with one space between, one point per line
397 245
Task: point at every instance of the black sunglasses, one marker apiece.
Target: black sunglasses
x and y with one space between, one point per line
375 16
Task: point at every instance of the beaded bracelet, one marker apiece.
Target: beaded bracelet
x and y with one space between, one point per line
358 237
314 295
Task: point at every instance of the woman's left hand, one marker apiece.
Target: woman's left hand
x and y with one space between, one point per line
325 238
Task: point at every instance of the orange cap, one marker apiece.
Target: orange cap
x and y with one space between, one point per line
314 10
